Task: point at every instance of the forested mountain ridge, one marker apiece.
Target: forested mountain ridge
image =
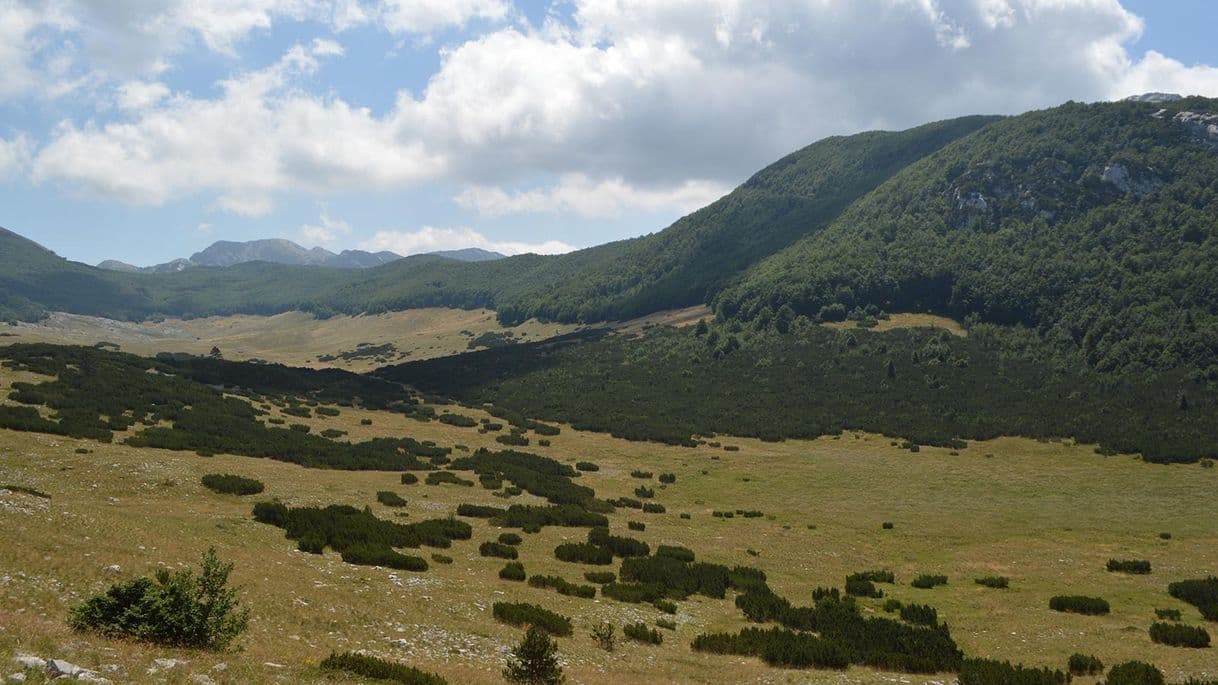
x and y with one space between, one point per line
1096 224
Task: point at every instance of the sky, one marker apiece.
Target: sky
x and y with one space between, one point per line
145 130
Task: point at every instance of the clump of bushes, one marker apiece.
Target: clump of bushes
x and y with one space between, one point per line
177 608
860 587
563 586
1083 664
665 605
996 582
668 478
641 632
619 545
1168 614
510 539
365 422
512 439
229 484
644 492
1133 566
586 466
600 577
777 647
525 614
495 549
653 508
441 558
666 624
1179 635
583 553
675 552
636 525
640 474
873 576
1201 593
919 614
928 581
627 503
1134 673
988 672
459 420
513 570
441 477
375 668
887 525
1079 604
479 511
409 479
390 499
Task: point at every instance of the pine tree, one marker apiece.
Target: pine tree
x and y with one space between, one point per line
535 661
891 370
215 353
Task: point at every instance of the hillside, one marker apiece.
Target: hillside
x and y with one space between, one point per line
1095 224
225 253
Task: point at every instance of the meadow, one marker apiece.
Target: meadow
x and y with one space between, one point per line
1048 515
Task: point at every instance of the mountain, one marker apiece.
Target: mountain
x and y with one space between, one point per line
225 253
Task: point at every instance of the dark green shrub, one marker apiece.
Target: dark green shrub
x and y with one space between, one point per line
479 511
510 539
586 466
750 514
675 552
627 503
777 647
543 442
887 525
1133 566
653 508
409 479
1134 673
685 516
619 545
666 624
640 474
1179 635
441 558
522 614
668 478
641 632
178 608
441 477
1164 536
996 582
512 439
919 614
535 660
273 513
332 433
490 481
583 553
873 576
667 606
927 581
987 672
390 499
636 525
644 492
365 422
495 549
1168 614
1202 593
459 420
1082 664
859 587
326 411
563 586
600 577
513 570
375 668
300 428
365 554
232 485
1078 604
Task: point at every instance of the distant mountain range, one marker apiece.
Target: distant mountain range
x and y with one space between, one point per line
279 251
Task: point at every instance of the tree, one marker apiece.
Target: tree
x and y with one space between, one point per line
604 637
890 370
215 353
535 661
702 328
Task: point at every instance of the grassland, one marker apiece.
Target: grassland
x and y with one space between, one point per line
1049 515
906 320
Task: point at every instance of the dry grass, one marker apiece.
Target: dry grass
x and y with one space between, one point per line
906 321
1048 515
294 338
676 318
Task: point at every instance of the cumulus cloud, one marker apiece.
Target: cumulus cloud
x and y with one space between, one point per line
14 156
431 239
325 232
580 195
628 104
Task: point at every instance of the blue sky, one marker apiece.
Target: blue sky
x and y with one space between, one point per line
415 125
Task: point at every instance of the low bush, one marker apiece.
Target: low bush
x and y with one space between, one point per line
563 586
409 479
859 587
1134 673
375 668
365 422
919 614
326 411
390 499
627 503
1201 593
675 552
459 420
495 549
300 428
177 608
887 525
1134 566
636 525
1168 614
1164 536
644 492
543 442
987 672
996 582
583 553
666 624
927 581
524 614
513 570
641 632
600 577
640 474
777 647
363 554
619 545
586 466
512 439
510 539
1083 664
874 576
479 511
668 478
442 477
229 484
653 508
1179 635
441 558
665 605
750 514
1078 604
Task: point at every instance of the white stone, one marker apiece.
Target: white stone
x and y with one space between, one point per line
113 569
202 679
58 667
28 661
167 664
16 678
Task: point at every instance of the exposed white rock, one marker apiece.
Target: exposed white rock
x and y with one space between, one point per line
15 678
29 661
1127 182
1200 125
1155 97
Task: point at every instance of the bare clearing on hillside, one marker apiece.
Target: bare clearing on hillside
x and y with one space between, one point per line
895 321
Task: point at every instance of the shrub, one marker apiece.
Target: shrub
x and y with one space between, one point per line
409 479
644 492
641 632
685 516
232 485
1078 604
887 525
628 503
666 624
927 581
326 411
1179 635
603 635
600 577
620 546
987 672
1082 664
332 433
859 587
543 442
668 478
563 586
1134 566
459 420
375 668
365 554
1164 536
513 570
512 439
587 466
1134 673
535 660
996 582
640 474
667 606
479 511
919 614
510 539
300 428
495 549
777 647
874 576
1168 614
636 525
178 608
583 553
521 614
675 552
441 558
365 422
490 481
1202 594
653 508
441 477
390 499
274 513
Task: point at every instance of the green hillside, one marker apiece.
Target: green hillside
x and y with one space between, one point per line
1096 224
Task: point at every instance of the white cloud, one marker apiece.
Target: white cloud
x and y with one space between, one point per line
325 232
14 156
137 95
1157 72
423 16
582 196
431 239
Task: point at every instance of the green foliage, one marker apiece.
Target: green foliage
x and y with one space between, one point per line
1134 673
777 647
987 672
920 614
600 577
666 624
522 614
1079 604
1179 635
1083 664
619 546
636 525
495 549
513 570
390 499
178 608
563 586
641 632
586 466
535 660
646 475
675 552
879 576
996 582
441 558
443 477
459 420
513 439
538 475
583 553
367 666
1201 593
603 635
479 511
860 587
1168 614
653 508
1132 566
233 485
927 581
510 539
